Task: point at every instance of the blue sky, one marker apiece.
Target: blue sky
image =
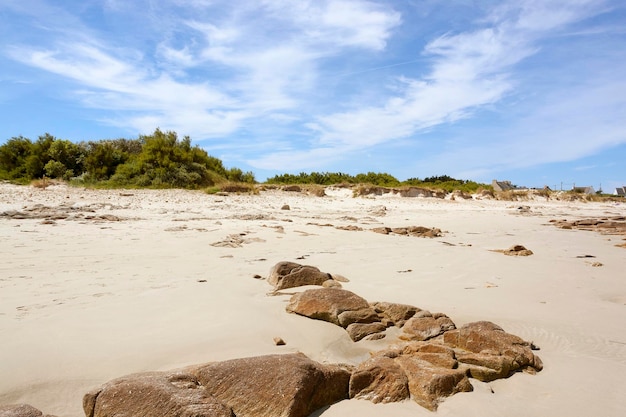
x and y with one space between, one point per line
533 91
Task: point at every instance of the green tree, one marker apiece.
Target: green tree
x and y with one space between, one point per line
164 161
13 156
102 159
39 157
66 159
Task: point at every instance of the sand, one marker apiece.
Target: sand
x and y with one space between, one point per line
83 301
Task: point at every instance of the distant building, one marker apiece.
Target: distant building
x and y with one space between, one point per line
502 185
584 190
620 191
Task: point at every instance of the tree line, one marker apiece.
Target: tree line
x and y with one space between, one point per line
159 160
162 160
442 182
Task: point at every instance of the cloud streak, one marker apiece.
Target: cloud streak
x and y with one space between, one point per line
311 83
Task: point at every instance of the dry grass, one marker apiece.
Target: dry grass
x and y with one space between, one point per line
314 189
233 187
512 195
44 183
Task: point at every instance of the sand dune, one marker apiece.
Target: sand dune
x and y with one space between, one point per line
99 284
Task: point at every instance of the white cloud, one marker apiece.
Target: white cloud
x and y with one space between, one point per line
470 70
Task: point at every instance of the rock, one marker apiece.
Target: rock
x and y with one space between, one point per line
358 331
425 326
489 352
435 354
21 410
425 371
326 304
155 393
290 385
428 383
416 231
281 269
379 379
397 314
290 275
278 341
285 207
517 250
331 283
364 315
421 231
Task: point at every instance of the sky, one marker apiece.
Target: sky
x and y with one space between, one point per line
531 91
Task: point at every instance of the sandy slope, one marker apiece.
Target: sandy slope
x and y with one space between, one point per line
84 301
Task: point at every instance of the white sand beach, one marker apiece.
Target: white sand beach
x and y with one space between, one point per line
130 281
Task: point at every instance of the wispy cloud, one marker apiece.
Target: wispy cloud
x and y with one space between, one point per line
471 71
307 84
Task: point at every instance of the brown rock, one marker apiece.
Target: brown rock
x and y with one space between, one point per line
379 379
331 283
428 384
397 314
517 250
421 231
325 303
280 270
20 410
358 331
436 355
289 385
489 352
365 315
290 275
424 326
304 275
151 394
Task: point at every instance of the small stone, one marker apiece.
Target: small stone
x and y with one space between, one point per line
278 341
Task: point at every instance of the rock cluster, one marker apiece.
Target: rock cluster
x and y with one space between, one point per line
62 212
417 231
606 225
436 358
430 360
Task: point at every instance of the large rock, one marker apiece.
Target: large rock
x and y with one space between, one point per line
176 394
379 379
289 385
21 410
424 371
286 274
489 353
326 304
428 384
424 326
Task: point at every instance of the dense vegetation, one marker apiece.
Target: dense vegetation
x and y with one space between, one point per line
162 160
443 182
159 160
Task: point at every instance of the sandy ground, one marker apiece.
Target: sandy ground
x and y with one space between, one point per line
83 301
